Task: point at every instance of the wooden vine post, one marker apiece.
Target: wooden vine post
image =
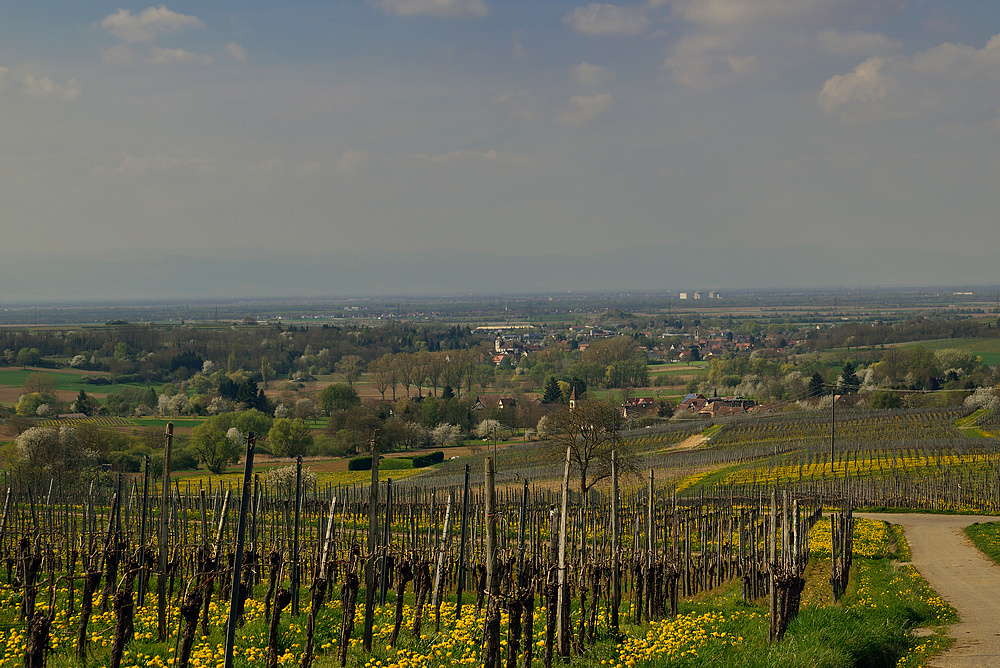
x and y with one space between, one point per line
370 557
772 584
235 591
439 571
294 588
491 652
163 537
461 546
616 573
563 632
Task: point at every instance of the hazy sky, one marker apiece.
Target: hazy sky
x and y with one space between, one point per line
521 126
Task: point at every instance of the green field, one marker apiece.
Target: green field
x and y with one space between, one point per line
69 381
988 349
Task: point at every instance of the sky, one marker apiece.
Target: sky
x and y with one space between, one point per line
522 127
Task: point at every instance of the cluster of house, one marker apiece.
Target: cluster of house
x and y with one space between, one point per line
712 407
630 408
510 350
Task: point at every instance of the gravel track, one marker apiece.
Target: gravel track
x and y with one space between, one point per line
963 576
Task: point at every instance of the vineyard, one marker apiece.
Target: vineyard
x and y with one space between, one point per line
491 560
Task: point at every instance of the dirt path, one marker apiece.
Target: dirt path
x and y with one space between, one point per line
689 443
963 577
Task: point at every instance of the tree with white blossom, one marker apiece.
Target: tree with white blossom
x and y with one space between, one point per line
52 450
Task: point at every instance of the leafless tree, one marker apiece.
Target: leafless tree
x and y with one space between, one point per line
591 431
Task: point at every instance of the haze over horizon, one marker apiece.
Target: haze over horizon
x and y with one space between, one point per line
436 142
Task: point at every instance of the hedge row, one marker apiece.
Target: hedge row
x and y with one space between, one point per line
364 462
420 461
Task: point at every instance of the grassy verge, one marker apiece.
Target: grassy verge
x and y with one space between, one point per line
986 537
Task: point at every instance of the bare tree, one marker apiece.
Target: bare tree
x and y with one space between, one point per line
591 431
405 363
451 372
435 367
40 382
349 366
421 364
381 373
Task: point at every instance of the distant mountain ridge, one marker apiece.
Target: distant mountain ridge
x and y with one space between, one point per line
232 273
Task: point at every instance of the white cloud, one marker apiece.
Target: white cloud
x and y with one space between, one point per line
521 104
353 161
518 47
948 82
854 43
148 24
122 55
37 87
701 62
866 83
584 108
160 165
235 51
729 40
447 8
606 19
802 14
591 75
45 87
164 56
455 156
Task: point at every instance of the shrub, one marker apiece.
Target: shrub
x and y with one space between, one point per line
283 478
884 399
363 463
396 463
420 461
125 462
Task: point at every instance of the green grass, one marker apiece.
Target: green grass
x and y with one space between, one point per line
712 431
70 382
988 349
986 537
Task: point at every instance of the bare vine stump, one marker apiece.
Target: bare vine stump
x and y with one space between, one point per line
32 564
272 582
111 559
318 596
209 569
637 591
551 614
71 594
246 585
673 576
578 639
514 612
281 601
172 567
479 574
124 614
595 587
422 586
348 604
91 581
37 641
491 649
404 575
189 612
527 597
